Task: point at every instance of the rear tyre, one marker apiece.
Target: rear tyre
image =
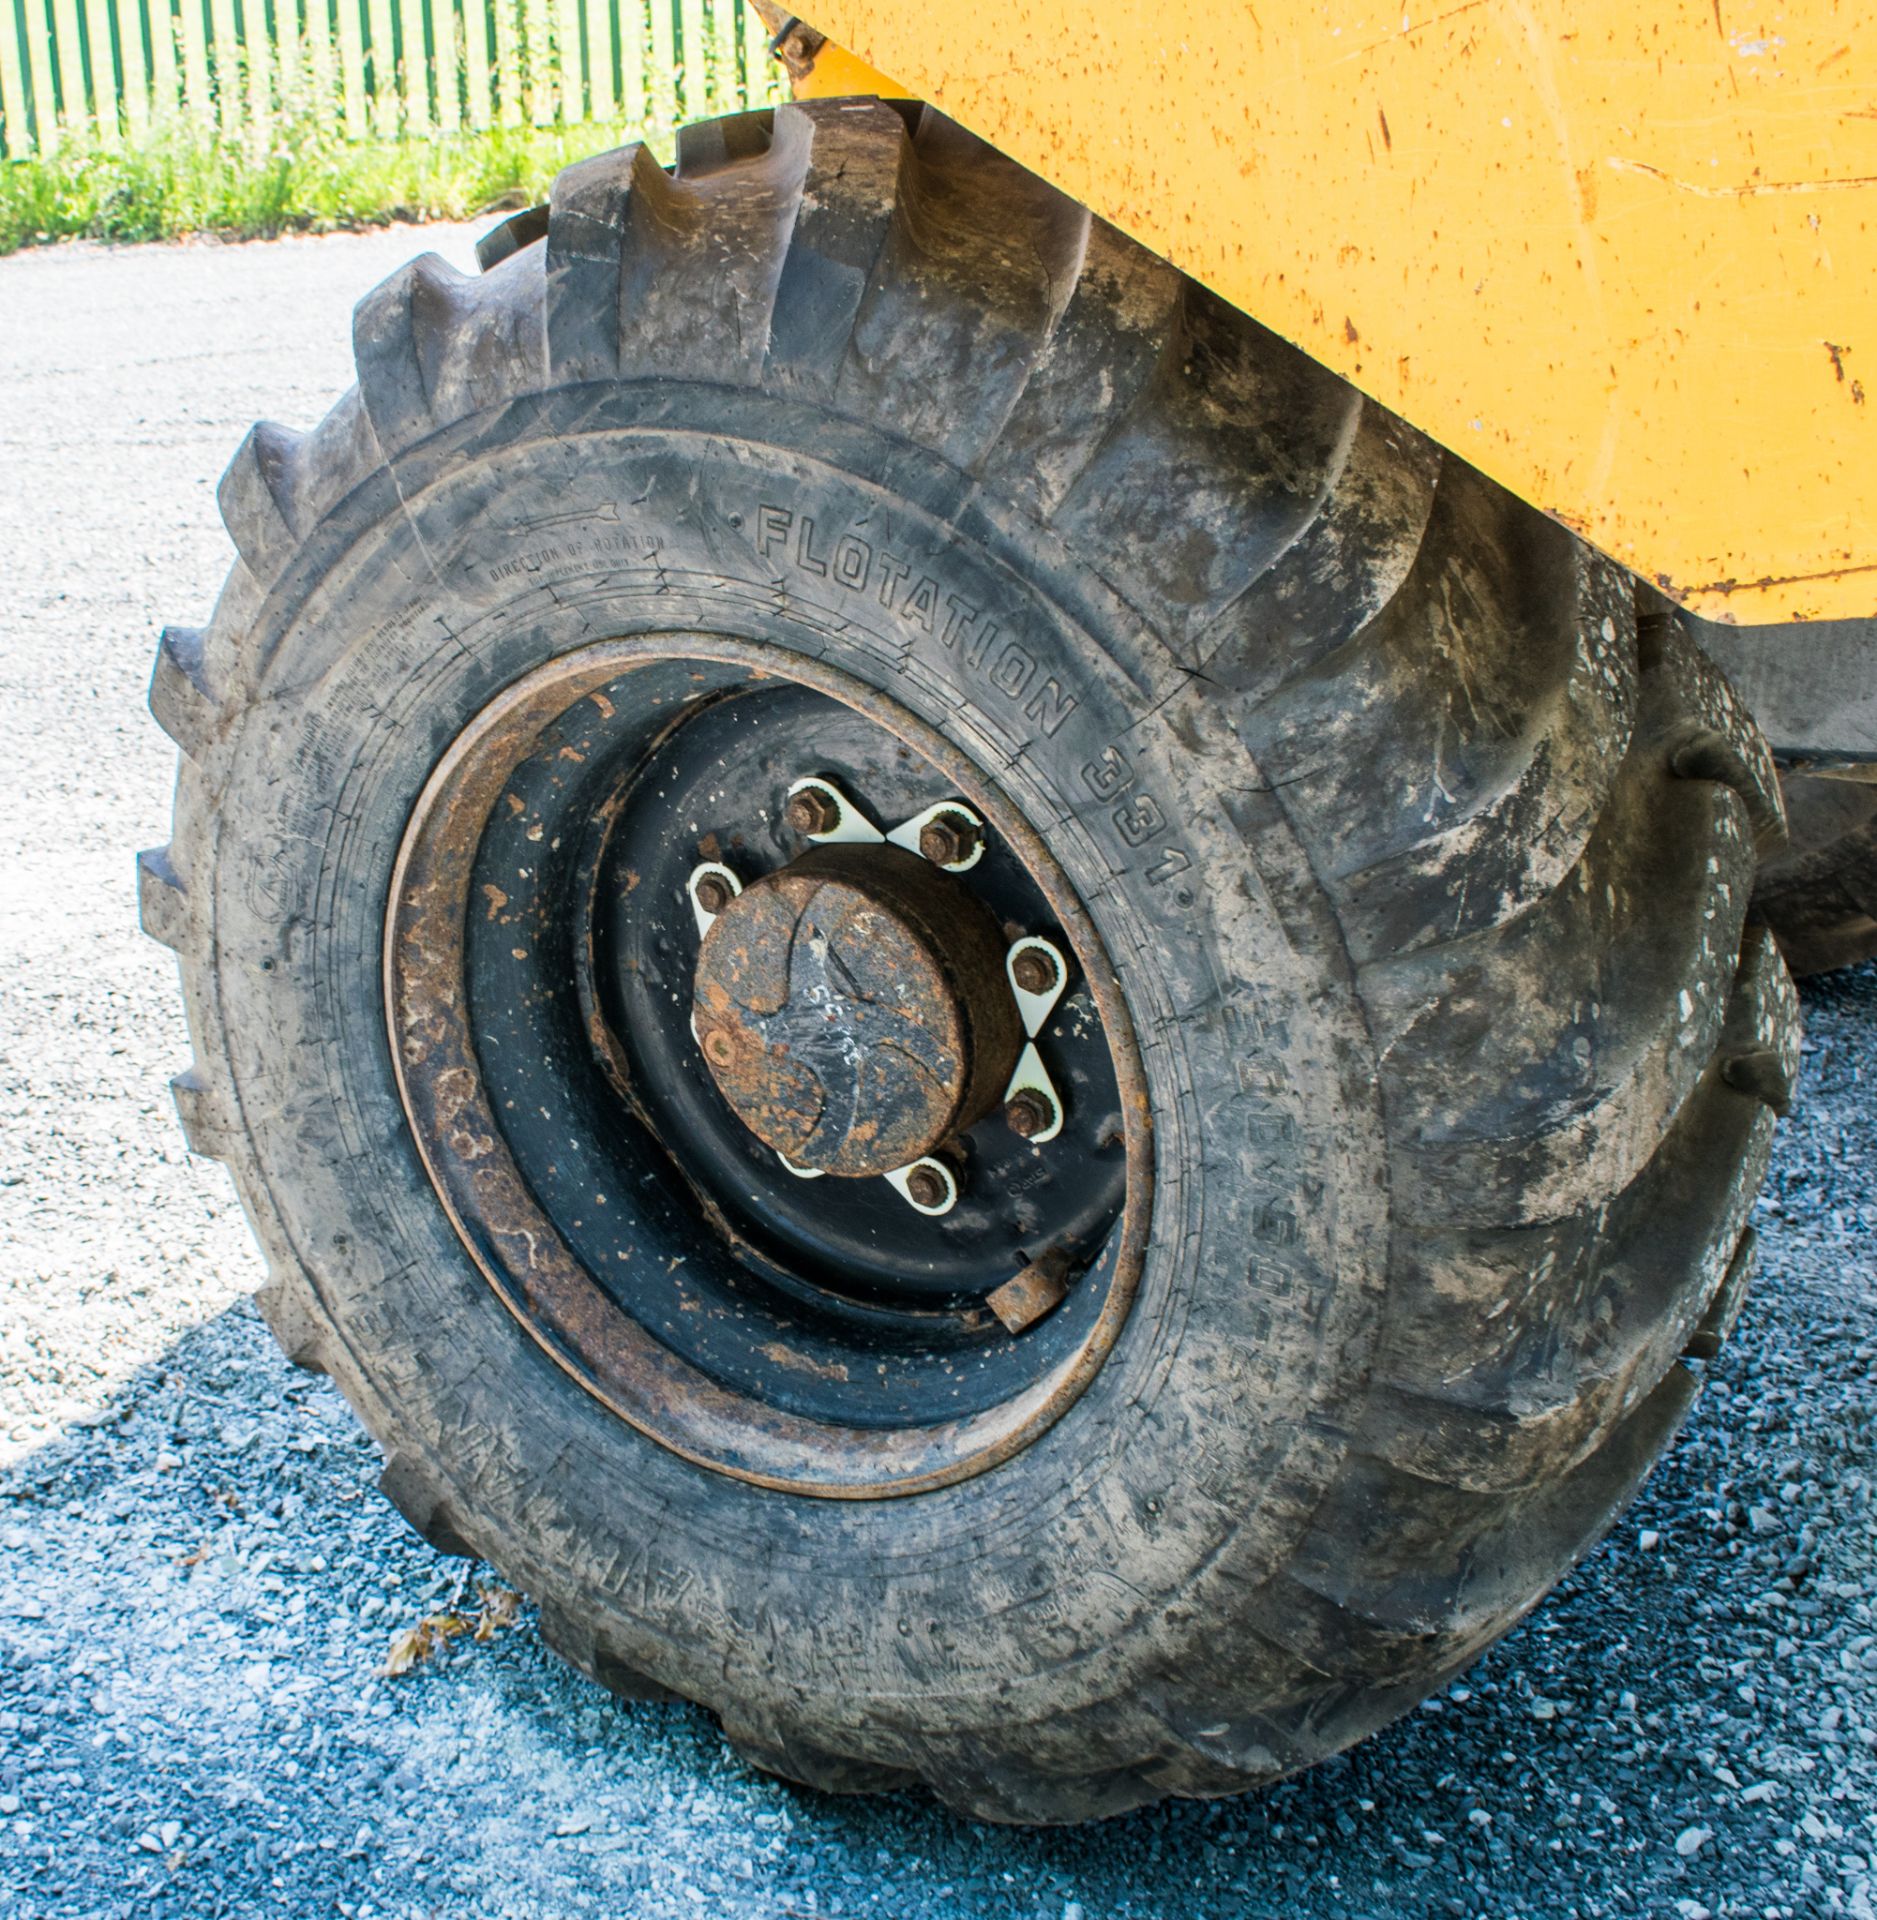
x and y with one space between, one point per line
1820 895
1404 883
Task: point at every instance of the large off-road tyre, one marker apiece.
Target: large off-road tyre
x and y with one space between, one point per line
1819 895
1421 1063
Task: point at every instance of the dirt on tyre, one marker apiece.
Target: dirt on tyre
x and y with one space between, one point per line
1401 1060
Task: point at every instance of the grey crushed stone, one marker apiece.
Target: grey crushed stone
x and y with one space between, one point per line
198 1581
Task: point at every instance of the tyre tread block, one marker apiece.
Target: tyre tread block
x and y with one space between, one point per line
204 1108
181 701
434 346
1533 1070
1820 895
977 265
416 1495
700 261
162 898
1445 1571
791 1755
1507 1357
1448 766
1714 737
1723 1312
581 1645
1764 1029
709 146
1220 465
521 229
1104 351
300 1329
585 235
256 495
1339 574
850 186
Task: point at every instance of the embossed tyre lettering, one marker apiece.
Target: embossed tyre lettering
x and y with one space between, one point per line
1144 1380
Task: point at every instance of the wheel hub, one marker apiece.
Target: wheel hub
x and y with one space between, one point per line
852 1011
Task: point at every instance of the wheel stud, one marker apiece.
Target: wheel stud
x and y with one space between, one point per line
927 1186
932 1184
712 893
949 839
1034 970
813 811
1029 1114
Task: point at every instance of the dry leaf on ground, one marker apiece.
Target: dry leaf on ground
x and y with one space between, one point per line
499 1607
412 1646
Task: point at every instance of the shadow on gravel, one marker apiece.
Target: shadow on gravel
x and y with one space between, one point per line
198 1587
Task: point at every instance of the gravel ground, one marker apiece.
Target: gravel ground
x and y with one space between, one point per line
198 1583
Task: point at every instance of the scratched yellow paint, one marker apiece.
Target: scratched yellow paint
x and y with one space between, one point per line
1622 257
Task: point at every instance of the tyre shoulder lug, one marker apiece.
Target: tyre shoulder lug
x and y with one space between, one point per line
1762 1073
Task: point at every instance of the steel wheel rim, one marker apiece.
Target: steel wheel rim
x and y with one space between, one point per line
518 1245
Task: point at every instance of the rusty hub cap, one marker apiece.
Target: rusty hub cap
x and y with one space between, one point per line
850 1008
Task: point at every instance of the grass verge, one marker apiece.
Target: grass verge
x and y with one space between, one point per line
303 179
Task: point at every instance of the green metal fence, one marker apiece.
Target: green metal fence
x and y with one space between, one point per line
111 70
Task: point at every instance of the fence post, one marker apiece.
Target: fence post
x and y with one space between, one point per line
324 102
287 50
352 69
162 61
570 54
71 81
662 81
382 59
256 51
599 60
693 60
18 141
481 102
45 127
632 23
757 59
507 76
225 65
414 59
135 87
444 64
103 72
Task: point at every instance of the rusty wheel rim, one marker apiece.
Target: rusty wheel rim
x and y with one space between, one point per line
601 1312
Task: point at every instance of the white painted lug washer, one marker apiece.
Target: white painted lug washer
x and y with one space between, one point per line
707 870
907 833
852 829
900 1180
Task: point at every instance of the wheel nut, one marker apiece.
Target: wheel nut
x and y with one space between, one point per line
927 1187
1030 1113
949 838
1034 970
812 811
712 893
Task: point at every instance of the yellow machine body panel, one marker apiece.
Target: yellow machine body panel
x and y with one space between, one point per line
1622 258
